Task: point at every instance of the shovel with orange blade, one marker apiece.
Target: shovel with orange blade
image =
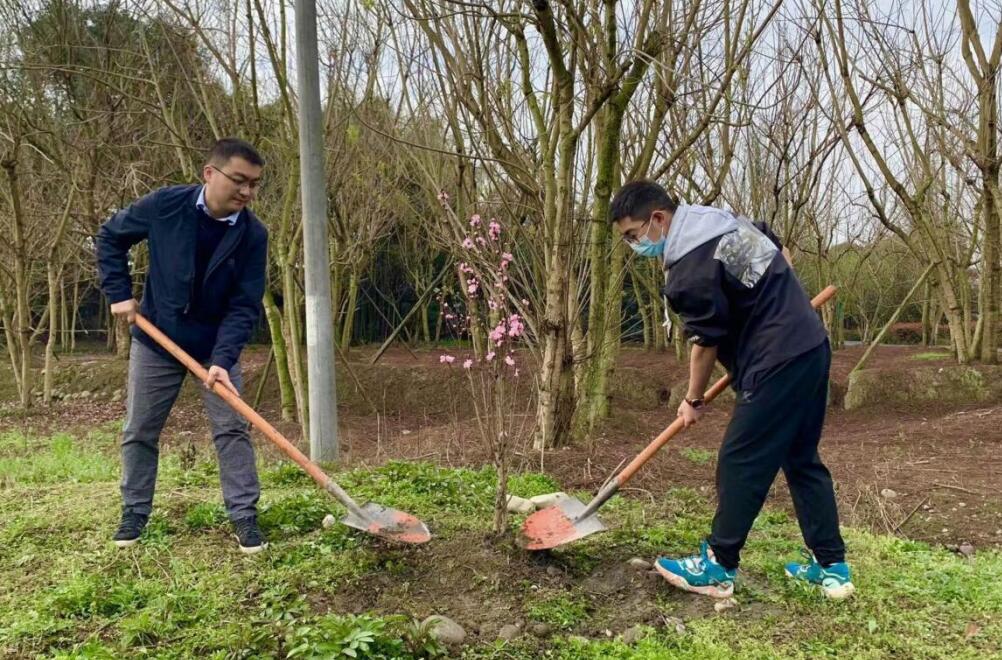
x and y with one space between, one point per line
372 518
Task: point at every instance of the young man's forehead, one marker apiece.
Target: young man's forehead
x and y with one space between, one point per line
238 165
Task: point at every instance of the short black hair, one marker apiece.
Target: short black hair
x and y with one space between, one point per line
230 147
638 199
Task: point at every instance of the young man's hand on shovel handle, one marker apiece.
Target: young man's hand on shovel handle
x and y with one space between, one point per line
220 375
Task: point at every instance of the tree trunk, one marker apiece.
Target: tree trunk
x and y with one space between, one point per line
286 389
10 337
927 313
293 341
22 311
73 314
54 329
348 325
123 338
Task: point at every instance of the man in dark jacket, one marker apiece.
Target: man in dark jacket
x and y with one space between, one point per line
731 283
208 254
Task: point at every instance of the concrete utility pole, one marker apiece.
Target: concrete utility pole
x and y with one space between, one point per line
319 320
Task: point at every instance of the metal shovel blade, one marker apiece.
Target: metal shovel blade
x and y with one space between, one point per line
388 523
558 524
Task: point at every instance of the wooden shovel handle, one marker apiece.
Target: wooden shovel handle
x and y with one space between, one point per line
235 402
826 294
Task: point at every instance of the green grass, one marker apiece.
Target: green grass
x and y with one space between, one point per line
185 593
932 355
60 458
696 455
560 611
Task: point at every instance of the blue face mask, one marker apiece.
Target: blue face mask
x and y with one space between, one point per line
645 247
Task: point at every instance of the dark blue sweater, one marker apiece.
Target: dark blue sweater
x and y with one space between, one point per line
213 326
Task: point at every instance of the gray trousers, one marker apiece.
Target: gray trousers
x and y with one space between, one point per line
154 383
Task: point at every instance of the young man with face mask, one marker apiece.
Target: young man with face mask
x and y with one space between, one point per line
203 289
731 283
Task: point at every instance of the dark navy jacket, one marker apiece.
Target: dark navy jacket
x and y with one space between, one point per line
216 328
732 287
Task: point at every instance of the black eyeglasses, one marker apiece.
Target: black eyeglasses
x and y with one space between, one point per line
252 184
631 238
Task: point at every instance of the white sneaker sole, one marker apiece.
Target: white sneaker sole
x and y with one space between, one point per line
126 543
713 591
840 592
253 550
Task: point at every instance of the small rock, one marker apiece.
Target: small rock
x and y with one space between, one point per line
553 571
405 432
518 504
998 532
724 604
579 639
640 564
548 500
888 494
633 635
509 632
673 622
541 629
329 521
966 549
445 630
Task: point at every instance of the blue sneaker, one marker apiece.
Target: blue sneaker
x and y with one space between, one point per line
835 580
700 574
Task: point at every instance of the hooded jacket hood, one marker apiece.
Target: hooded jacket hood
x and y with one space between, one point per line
692 226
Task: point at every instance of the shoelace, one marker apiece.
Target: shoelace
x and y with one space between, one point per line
132 520
246 526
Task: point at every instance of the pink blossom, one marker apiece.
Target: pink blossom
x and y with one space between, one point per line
468 243
475 220
494 229
509 360
515 326
467 364
492 304
464 268
472 287
489 356
480 239
524 301
443 197
497 334
506 259
446 359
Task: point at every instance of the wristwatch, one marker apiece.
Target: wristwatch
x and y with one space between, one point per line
695 403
